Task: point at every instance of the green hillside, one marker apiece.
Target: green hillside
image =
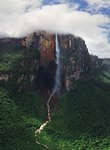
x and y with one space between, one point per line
105 77
80 120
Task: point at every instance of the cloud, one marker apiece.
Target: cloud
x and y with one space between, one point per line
26 17
97 5
100 3
18 6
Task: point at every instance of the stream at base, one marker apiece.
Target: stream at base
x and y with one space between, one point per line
43 125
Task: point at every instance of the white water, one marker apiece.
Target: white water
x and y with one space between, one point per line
57 76
55 90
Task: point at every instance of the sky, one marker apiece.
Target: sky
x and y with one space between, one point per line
88 19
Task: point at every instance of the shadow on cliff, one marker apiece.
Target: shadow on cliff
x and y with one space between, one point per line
46 77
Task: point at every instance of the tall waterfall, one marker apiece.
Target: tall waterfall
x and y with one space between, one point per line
55 90
57 76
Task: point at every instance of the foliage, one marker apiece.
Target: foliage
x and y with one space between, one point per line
9 62
17 131
31 104
82 122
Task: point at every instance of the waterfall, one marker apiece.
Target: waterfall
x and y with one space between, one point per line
55 90
57 76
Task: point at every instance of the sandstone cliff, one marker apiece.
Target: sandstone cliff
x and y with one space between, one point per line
75 60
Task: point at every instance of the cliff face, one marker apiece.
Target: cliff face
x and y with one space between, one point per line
10 45
44 42
106 64
96 62
100 63
47 47
74 57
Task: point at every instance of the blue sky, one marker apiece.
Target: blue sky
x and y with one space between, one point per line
82 5
88 19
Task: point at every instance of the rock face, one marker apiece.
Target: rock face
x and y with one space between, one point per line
100 63
44 42
47 47
96 62
105 65
75 59
10 45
